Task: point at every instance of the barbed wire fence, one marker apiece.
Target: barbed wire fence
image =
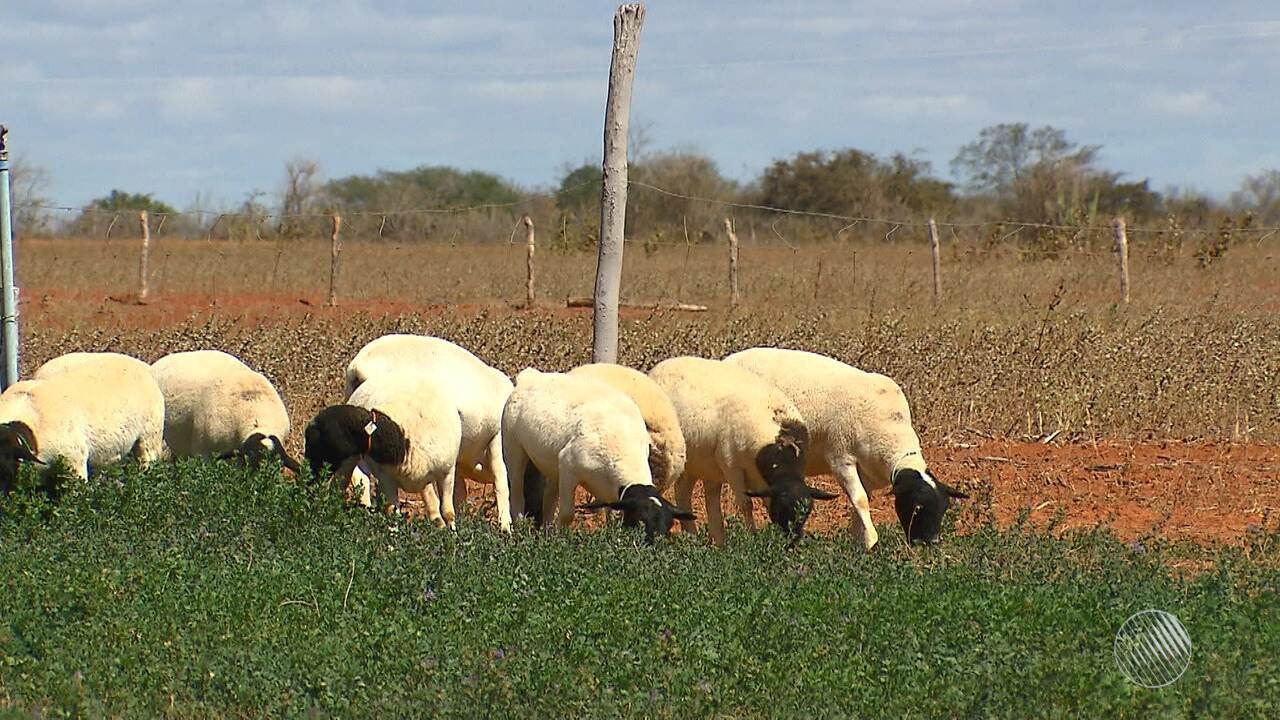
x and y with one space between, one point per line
735 224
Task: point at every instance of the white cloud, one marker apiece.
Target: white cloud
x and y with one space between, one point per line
75 104
524 92
905 106
1186 103
189 99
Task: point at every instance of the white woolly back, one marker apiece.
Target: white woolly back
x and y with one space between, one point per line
655 407
848 411
213 401
722 406
90 408
601 426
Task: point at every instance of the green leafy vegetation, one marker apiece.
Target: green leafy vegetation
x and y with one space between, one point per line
198 590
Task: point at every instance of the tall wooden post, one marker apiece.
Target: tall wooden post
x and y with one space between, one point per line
935 248
143 283
335 247
627 22
733 263
529 249
1122 254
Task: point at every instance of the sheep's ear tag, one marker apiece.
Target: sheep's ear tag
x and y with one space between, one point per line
370 428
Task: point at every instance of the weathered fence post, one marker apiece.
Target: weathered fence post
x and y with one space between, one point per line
733 263
1122 253
143 283
335 247
10 300
627 22
528 250
935 248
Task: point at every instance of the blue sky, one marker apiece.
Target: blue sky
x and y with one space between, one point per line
177 98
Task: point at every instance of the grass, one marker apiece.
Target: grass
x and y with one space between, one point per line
199 590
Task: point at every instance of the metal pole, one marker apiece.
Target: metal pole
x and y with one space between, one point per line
10 293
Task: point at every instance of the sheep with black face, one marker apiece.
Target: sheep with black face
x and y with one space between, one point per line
740 430
401 430
216 406
87 410
860 431
478 392
579 431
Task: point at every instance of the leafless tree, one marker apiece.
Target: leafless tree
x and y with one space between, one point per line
1259 194
299 195
28 186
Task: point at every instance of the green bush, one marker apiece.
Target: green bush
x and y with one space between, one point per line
197 590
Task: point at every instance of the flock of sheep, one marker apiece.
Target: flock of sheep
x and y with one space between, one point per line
424 415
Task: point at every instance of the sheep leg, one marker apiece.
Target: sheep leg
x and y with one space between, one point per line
847 473
431 504
551 498
738 481
149 448
501 482
684 501
514 463
349 475
459 491
446 487
715 515
389 493
567 483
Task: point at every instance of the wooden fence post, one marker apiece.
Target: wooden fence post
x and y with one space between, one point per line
335 247
733 263
145 258
529 249
1122 252
935 248
627 22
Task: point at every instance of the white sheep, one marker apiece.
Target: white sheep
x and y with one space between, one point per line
478 391
740 430
666 443
860 431
86 409
216 406
575 431
403 429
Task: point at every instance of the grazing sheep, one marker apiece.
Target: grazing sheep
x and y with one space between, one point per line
478 391
216 406
666 443
579 431
86 409
860 431
740 430
404 428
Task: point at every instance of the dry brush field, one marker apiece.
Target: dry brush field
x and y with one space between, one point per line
1028 382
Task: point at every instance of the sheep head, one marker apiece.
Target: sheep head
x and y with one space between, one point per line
17 444
642 506
921 501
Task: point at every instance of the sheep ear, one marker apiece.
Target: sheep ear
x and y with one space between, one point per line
679 514
817 494
228 455
951 492
760 493
598 506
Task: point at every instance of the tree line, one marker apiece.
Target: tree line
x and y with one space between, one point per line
1009 173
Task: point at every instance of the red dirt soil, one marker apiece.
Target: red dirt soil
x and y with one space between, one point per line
1207 493
61 308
